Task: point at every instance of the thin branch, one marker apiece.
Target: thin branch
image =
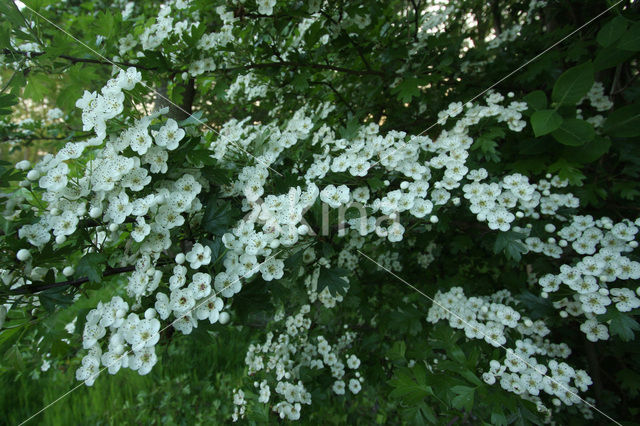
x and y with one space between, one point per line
301 65
416 17
338 95
351 40
290 64
19 138
31 289
74 59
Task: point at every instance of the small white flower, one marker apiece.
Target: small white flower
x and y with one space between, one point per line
198 256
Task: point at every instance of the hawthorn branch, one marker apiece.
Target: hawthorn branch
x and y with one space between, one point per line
74 59
355 44
188 96
301 65
290 64
27 138
32 289
416 17
338 95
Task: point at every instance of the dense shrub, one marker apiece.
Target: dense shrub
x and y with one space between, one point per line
403 212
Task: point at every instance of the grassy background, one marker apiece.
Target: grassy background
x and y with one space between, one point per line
191 383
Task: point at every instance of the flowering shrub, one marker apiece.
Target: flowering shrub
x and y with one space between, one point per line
402 236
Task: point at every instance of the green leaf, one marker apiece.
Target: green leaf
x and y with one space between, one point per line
408 89
217 248
218 216
300 82
397 351
627 190
105 23
455 353
629 381
590 151
419 415
487 145
611 31
623 122
54 297
351 129
293 262
333 280
194 119
567 170
573 84
91 265
537 100
610 57
464 397
623 325
12 14
375 183
510 243
409 388
574 132
6 102
37 87
536 305
498 418
545 121
630 39
13 357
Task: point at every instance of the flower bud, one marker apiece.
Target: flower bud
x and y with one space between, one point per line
33 175
23 165
223 318
95 212
23 255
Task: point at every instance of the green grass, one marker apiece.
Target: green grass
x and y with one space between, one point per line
192 382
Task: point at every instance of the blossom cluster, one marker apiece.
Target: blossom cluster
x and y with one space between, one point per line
494 320
600 246
289 349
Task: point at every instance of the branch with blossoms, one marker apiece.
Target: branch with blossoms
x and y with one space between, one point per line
32 289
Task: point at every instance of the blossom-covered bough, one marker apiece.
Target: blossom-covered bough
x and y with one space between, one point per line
114 185
194 215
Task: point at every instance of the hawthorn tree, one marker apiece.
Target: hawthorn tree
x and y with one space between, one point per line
409 211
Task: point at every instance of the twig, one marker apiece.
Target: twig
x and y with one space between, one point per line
340 97
301 65
31 289
74 59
